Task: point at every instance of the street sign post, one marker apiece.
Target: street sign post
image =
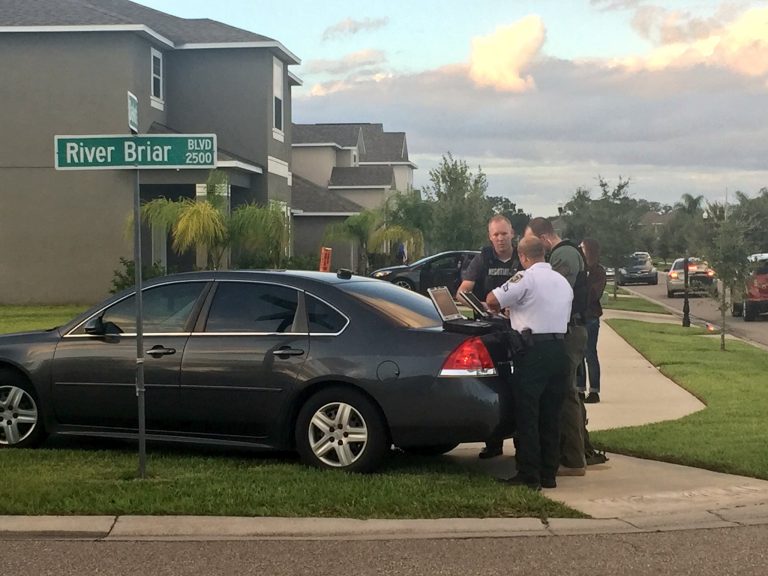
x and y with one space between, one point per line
121 152
158 151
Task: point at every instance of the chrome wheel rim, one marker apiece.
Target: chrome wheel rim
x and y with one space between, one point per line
403 284
338 434
18 415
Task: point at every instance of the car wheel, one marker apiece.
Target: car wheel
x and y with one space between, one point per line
670 294
21 422
435 450
341 428
655 281
404 283
750 312
737 309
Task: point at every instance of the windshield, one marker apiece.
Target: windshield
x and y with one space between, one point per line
400 305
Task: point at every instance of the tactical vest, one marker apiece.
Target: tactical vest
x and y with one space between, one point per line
495 272
580 288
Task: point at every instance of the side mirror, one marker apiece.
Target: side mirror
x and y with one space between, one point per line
95 326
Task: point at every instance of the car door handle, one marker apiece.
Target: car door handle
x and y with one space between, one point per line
286 351
159 350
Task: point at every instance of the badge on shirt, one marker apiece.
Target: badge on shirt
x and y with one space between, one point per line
517 277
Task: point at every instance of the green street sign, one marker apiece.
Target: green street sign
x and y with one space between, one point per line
158 151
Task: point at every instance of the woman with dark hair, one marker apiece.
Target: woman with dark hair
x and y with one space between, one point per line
596 285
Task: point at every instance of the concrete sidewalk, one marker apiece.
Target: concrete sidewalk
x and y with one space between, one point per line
624 495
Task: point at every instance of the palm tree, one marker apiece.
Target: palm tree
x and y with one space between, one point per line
689 204
207 224
370 233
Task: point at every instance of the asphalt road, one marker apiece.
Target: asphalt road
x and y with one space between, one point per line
705 308
733 551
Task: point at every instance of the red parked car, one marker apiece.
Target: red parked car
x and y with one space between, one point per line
755 298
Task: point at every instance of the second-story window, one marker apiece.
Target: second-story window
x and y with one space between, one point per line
157 79
277 92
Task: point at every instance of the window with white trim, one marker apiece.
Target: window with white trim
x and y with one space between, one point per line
157 89
277 99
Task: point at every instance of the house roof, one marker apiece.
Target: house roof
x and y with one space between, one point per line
343 135
182 32
656 218
378 146
310 197
362 177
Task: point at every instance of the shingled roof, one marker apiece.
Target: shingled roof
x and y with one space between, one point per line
310 197
363 176
180 31
378 146
343 135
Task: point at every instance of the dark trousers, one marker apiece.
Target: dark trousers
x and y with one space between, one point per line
538 388
591 362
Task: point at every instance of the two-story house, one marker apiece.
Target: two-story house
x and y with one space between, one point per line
340 170
66 68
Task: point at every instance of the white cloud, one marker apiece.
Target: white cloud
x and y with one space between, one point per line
671 129
348 63
740 44
500 59
349 27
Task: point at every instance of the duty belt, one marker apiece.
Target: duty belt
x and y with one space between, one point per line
548 337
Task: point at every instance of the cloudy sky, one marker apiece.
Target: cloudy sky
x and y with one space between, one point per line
543 95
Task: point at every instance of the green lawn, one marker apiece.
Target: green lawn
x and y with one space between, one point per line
625 301
731 434
90 477
21 318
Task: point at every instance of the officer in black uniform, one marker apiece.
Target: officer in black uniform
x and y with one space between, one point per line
495 265
538 299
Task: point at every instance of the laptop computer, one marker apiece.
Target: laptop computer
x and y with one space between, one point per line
475 303
453 320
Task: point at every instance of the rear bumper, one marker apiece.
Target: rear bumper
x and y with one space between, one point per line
452 411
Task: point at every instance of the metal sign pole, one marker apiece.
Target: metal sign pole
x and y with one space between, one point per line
139 327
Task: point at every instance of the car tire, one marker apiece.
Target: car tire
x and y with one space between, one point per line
670 294
22 420
347 412
737 309
404 283
434 450
655 281
750 312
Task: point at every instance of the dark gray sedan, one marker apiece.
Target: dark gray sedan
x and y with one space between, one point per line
336 367
443 269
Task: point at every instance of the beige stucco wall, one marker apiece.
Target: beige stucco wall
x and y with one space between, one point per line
308 233
366 197
314 163
403 178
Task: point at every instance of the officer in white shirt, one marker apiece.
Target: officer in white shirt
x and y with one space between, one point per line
538 299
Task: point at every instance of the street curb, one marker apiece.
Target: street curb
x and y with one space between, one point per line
221 528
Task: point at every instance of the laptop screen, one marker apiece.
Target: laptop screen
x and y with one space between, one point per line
475 303
444 303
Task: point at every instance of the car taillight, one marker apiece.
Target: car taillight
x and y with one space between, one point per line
471 358
674 275
710 273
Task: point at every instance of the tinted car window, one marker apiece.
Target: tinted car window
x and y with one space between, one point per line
322 318
449 262
252 307
165 309
402 306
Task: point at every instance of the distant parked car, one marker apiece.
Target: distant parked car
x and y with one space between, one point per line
754 300
638 269
701 278
442 269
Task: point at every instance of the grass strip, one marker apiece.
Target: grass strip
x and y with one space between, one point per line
631 304
24 318
94 477
730 435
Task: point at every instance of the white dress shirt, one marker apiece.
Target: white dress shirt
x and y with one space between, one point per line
538 298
